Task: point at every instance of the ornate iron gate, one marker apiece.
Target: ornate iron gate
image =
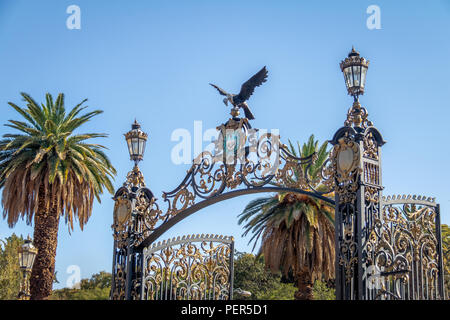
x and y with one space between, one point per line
385 248
404 251
197 267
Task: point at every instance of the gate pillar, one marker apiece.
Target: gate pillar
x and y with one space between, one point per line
132 205
356 160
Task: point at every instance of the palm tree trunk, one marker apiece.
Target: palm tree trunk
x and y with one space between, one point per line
304 286
46 224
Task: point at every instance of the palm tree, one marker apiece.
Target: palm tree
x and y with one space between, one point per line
47 171
296 230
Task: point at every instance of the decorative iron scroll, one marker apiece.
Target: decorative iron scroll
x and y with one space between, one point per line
242 159
403 250
197 267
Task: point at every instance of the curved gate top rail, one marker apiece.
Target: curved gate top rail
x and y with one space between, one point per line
410 199
187 238
244 161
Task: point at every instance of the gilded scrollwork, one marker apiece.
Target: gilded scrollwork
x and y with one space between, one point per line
194 267
135 178
348 257
248 161
370 147
118 292
403 244
358 116
344 169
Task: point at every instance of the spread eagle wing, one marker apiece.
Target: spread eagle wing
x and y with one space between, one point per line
248 87
221 91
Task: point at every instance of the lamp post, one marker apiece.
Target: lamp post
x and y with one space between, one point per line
354 68
131 202
136 141
27 254
356 157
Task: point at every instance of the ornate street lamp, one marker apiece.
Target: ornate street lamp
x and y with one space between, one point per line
355 68
136 140
27 254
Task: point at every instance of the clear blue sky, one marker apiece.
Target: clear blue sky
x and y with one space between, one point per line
153 60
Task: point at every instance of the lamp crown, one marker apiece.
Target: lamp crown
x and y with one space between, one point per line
353 53
354 59
135 125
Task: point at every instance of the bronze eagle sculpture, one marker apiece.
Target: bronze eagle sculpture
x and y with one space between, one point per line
239 100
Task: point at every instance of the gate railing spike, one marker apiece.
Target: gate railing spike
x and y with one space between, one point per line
186 239
409 199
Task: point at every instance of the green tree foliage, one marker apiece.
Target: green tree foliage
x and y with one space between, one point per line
251 275
96 288
49 170
322 292
10 274
445 232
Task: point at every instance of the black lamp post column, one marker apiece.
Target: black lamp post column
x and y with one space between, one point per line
356 157
132 201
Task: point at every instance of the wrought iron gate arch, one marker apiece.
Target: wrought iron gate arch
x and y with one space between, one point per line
158 232
231 172
257 165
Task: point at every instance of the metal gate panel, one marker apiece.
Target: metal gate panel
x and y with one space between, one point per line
194 267
405 251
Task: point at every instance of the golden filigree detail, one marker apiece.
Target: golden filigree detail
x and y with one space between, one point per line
370 147
403 243
291 175
183 197
119 285
358 116
348 252
345 158
371 195
194 268
135 178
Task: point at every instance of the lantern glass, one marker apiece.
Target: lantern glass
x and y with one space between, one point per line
130 149
135 146
141 147
348 77
356 75
363 76
27 254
